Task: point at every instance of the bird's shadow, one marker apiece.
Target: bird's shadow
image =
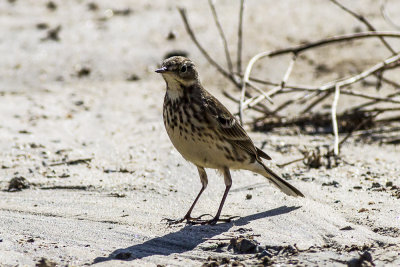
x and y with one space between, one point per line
186 239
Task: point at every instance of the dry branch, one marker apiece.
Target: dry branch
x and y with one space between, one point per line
240 37
334 119
366 22
222 34
189 30
335 39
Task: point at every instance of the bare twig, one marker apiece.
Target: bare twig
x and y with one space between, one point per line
376 98
379 77
334 119
366 22
256 108
189 30
387 17
256 99
390 119
374 131
253 101
293 88
266 96
290 162
390 82
72 162
335 39
323 96
240 38
231 236
382 109
375 101
288 71
221 33
300 87
299 97
67 187
245 81
361 75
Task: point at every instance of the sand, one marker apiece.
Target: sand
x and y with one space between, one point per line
92 99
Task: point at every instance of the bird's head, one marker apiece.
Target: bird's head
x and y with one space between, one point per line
178 71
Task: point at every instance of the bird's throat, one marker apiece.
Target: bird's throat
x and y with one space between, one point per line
173 93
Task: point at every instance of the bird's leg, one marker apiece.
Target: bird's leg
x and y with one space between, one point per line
187 217
216 218
228 184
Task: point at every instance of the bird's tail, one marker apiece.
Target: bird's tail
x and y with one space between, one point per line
284 186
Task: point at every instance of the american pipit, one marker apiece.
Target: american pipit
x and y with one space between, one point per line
207 134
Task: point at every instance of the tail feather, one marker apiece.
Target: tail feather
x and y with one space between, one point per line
262 154
284 186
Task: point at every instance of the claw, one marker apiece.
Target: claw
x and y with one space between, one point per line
201 216
214 221
188 219
172 221
198 220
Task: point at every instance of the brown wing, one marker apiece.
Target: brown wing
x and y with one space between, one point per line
227 125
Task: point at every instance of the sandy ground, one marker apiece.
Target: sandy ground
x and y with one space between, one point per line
72 99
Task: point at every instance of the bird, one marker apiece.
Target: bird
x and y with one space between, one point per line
206 134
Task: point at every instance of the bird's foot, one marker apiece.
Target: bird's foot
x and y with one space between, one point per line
213 221
187 218
172 221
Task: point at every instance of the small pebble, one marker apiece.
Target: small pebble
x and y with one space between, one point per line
82 72
51 6
171 36
42 26
133 77
43 262
17 184
347 228
376 185
93 6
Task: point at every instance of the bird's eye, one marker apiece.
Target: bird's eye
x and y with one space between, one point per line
183 68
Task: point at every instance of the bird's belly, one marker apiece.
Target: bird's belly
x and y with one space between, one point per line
196 150
204 151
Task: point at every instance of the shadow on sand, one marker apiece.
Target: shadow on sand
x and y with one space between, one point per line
185 239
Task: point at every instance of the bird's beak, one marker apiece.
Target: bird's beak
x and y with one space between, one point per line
162 70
